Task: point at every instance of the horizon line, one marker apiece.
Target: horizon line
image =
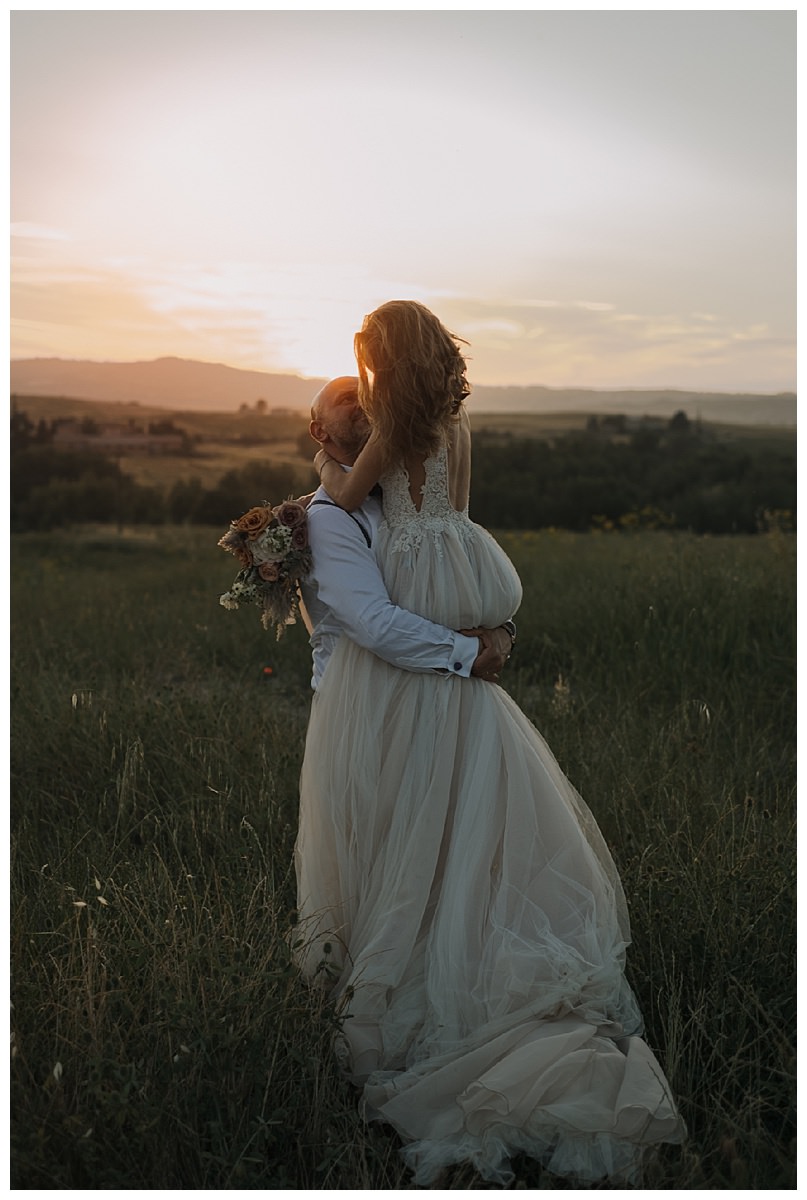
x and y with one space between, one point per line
315 378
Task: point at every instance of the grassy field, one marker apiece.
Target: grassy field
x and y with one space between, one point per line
274 437
212 460
161 1037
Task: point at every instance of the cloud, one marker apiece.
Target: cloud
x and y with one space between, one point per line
582 343
29 230
302 318
299 318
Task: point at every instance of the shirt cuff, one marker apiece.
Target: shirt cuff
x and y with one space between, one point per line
462 656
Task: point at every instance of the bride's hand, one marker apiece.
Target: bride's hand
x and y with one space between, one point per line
320 459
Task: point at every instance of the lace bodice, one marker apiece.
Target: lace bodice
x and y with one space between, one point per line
407 524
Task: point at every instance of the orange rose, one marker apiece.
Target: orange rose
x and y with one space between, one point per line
255 521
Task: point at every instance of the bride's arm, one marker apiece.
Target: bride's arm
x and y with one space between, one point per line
459 460
349 489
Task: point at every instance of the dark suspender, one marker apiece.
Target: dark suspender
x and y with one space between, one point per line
347 514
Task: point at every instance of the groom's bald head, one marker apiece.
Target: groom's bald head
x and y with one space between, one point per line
344 390
337 422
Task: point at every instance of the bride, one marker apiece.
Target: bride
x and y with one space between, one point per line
454 890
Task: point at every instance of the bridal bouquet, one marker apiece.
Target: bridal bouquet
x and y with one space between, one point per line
271 544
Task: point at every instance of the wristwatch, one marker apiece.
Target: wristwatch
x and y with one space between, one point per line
510 626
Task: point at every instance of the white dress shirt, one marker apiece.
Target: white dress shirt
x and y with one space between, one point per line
345 594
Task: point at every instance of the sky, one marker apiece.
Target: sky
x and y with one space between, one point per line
595 199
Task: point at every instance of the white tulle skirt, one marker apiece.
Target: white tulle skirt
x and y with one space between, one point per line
456 895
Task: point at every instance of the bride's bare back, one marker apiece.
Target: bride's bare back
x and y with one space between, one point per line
458 444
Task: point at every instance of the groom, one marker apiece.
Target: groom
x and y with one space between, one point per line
345 593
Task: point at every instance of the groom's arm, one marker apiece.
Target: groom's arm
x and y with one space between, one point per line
348 581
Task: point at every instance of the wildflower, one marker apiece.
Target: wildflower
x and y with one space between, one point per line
561 700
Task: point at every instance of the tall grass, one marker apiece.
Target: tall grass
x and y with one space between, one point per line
162 1038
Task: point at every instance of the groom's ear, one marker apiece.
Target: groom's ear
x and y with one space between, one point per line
317 432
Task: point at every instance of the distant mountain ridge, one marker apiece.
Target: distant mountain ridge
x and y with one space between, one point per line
179 383
189 385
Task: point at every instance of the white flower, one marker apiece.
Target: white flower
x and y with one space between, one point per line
272 545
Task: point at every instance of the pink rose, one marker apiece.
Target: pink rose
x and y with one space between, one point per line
290 513
299 537
269 572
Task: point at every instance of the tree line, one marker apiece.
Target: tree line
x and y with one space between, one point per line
672 477
675 477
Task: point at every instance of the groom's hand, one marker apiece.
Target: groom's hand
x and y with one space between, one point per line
494 650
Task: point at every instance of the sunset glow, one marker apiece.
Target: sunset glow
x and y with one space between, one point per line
594 199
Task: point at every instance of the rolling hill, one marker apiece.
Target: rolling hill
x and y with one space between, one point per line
187 385
176 383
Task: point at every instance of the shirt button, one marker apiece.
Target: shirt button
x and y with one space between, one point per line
457 666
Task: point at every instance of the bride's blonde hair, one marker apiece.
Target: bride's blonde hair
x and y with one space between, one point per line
418 373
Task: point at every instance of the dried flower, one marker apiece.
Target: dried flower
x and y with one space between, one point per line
235 541
272 548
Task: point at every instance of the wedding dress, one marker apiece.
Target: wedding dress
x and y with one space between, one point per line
455 892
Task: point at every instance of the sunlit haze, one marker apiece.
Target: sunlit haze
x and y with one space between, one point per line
591 198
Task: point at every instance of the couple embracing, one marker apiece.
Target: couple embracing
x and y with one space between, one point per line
454 891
